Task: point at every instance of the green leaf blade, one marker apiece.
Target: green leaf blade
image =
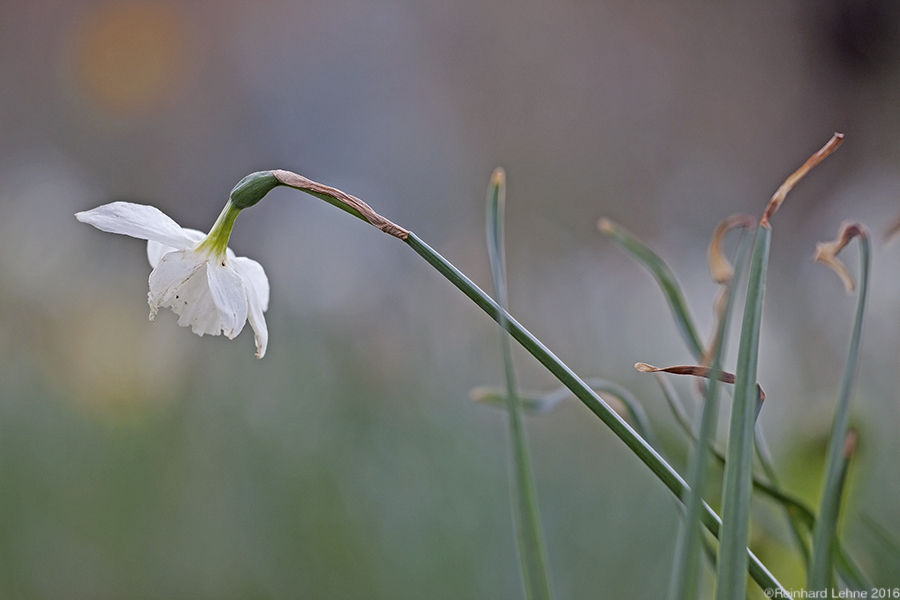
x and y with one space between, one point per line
664 277
687 558
738 480
530 541
825 533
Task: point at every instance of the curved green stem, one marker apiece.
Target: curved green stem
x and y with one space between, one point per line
580 389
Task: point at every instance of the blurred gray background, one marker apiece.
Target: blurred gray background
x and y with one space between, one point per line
140 461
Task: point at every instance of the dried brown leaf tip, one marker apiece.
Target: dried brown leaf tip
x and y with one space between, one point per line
722 272
826 252
695 371
606 226
498 177
719 267
850 443
799 174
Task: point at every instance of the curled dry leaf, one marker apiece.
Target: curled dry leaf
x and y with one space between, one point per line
799 174
826 252
695 371
721 271
719 304
719 267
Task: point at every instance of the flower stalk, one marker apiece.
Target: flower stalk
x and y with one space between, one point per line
644 451
216 242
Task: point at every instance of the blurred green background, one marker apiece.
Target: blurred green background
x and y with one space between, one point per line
140 461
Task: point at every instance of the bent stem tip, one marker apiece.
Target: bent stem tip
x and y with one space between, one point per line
342 200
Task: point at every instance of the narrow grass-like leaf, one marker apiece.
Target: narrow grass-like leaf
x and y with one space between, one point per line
532 554
532 403
663 276
847 569
803 522
650 457
633 408
801 518
794 506
882 535
539 403
738 481
686 582
880 532
721 271
679 411
820 573
836 560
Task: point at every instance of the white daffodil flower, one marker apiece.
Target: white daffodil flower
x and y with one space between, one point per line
197 275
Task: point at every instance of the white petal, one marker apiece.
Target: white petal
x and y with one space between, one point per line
174 269
194 305
156 250
252 271
229 294
137 220
257 285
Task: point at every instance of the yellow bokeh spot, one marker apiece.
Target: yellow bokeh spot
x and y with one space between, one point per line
112 364
129 58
